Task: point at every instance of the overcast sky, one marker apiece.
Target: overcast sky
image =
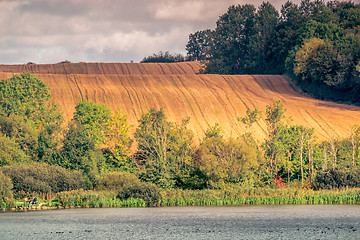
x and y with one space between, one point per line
50 31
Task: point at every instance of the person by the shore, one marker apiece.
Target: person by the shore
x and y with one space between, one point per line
34 200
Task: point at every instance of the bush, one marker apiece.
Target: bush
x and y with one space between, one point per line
6 195
338 178
149 192
115 181
225 160
43 178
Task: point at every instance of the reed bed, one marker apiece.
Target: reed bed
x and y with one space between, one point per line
208 197
266 196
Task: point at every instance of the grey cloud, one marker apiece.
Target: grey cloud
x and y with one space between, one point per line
46 31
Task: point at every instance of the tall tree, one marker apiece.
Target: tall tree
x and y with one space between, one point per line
285 35
266 23
273 147
26 100
164 148
199 44
233 33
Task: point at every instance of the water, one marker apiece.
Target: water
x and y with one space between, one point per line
244 222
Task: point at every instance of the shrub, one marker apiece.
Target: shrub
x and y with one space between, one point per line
43 178
115 181
338 178
225 160
149 192
5 189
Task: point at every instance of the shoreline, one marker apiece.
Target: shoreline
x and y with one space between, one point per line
45 208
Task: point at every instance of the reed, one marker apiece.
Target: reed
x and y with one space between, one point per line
209 197
267 196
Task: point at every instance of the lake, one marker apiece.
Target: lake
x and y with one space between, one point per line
241 222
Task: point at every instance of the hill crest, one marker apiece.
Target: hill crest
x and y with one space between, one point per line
179 68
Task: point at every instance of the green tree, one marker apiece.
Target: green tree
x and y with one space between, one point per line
26 100
199 44
283 40
29 97
267 19
250 118
94 118
348 13
164 148
22 133
314 29
272 145
247 40
303 55
240 42
309 30
317 61
79 151
298 161
233 33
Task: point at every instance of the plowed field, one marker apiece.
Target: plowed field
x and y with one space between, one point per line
106 68
206 99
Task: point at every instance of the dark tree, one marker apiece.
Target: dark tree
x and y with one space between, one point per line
199 45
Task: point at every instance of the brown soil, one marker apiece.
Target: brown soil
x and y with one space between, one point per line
207 99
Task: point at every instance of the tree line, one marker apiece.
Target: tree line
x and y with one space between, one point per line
316 43
94 149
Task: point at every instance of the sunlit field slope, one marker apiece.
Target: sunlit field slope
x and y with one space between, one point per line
207 99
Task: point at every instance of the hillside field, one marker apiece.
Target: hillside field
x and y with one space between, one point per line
134 88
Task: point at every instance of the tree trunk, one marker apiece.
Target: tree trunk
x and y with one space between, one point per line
311 161
325 159
353 145
333 151
302 139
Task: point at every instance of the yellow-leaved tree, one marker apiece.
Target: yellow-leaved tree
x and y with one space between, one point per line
118 139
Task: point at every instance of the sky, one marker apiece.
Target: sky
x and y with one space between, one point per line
51 31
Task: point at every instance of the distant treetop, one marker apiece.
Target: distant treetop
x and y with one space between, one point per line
164 57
